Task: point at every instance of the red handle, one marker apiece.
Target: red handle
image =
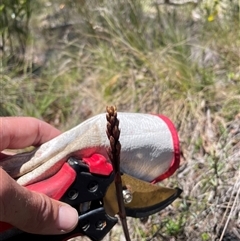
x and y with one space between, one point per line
54 187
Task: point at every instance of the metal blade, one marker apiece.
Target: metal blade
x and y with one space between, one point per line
147 198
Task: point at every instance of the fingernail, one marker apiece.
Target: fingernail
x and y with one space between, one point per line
67 218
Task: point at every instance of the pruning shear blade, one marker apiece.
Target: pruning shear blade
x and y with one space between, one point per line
146 198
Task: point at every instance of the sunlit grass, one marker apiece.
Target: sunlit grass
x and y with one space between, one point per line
142 58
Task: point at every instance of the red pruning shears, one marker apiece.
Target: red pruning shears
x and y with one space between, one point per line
88 186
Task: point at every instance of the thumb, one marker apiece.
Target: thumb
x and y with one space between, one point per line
33 212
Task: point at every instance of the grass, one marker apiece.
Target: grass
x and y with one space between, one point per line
147 58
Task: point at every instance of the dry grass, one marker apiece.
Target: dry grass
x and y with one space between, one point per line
151 60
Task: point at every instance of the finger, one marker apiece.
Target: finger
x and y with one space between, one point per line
33 212
20 132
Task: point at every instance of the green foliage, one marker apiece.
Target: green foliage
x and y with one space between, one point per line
142 57
14 28
174 227
205 236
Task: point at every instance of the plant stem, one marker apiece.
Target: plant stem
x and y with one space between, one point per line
113 134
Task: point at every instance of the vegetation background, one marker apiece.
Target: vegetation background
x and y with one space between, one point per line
64 61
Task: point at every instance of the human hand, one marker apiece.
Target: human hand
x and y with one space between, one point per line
30 211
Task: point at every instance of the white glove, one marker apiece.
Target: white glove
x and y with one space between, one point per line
149 149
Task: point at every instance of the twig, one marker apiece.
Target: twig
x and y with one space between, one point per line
113 134
232 208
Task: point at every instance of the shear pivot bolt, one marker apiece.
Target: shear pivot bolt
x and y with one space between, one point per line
72 194
85 227
93 186
127 196
100 225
